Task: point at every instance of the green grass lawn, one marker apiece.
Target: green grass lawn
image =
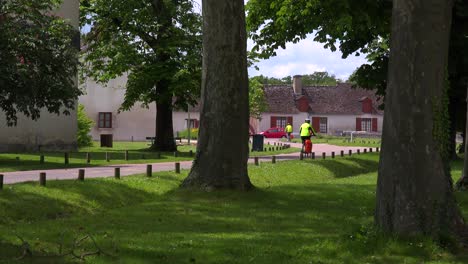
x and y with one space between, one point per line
301 212
342 141
138 153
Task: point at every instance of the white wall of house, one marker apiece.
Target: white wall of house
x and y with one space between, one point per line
136 124
298 119
50 132
338 123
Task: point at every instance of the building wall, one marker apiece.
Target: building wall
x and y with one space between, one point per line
50 132
339 123
136 124
298 119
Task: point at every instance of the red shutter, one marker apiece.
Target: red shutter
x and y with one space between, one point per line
374 124
358 124
290 120
316 124
273 121
195 123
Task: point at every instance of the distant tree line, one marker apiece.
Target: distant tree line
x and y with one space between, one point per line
316 78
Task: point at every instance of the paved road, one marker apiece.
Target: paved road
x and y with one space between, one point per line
131 169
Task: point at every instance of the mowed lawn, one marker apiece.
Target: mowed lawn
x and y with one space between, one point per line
311 211
138 152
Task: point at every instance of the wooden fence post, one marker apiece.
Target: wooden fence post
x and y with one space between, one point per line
177 167
107 156
41 159
256 161
301 156
88 157
342 153
273 159
65 156
126 155
323 155
370 150
350 152
81 174
117 173
333 154
377 149
149 170
42 179
358 151
1 181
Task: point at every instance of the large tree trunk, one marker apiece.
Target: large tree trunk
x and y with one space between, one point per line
414 189
222 150
164 128
462 183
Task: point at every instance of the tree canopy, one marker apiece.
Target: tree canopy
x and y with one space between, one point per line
38 60
257 100
152 41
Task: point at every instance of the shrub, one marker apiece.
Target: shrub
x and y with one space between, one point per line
84 127
193 133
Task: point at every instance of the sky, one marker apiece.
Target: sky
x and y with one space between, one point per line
305 57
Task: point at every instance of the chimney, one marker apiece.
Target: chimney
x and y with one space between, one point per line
297 84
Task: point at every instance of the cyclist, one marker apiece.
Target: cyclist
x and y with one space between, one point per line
306 131
288 129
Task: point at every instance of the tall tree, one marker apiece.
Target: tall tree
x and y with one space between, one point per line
257 100
319 78
414 189
222 150
158 43
38 60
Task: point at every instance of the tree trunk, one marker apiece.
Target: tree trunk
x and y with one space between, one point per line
453 104
222 150
462 183
414 188
164 129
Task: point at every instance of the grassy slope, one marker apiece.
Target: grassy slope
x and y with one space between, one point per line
302 212
54 160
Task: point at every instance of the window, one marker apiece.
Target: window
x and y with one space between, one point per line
105 120
281 121
323 125
366 124
193 123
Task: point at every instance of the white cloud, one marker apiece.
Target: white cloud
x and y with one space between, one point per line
305 57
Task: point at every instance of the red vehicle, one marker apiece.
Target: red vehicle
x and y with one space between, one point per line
275 132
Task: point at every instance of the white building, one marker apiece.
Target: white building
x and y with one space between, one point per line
331 109
102 105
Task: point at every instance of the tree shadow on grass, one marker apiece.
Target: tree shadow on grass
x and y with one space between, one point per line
282 224
348 167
